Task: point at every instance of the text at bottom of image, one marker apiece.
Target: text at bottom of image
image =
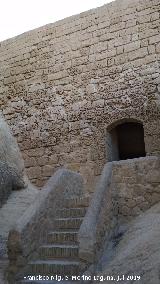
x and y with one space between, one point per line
101 278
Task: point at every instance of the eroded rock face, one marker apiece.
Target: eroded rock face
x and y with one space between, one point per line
9 150
137 255
9 180
11 163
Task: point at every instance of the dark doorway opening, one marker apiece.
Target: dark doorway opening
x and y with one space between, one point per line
127 141
130 140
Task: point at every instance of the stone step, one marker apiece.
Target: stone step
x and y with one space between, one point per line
71 212
58 251
68 223
63 267
62 237
77 202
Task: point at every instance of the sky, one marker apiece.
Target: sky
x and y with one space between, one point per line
19 16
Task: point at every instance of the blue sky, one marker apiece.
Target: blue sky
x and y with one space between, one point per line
18 16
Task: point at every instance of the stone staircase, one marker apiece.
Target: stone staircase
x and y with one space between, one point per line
60 255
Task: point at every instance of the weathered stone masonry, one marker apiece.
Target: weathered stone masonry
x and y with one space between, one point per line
64 84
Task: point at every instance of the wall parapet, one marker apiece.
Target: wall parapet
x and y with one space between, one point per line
94 227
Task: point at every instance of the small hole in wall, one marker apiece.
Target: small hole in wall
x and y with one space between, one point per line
126 141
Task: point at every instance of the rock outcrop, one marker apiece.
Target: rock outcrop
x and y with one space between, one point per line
11 163
10 179
136 258
9 150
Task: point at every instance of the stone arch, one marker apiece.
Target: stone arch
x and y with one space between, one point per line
123 120
125 139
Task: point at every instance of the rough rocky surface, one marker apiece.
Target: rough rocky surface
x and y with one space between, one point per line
12 210
11 163
63 84
138 251
3 267
9 150
10 180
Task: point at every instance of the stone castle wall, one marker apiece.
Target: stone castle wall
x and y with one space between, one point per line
64 84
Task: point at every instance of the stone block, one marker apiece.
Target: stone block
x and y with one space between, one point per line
151 49
153 176
47 170
132 46
154 39
158 47
34 172
140 53
41 161
30 162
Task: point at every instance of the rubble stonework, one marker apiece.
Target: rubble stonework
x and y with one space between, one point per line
63 84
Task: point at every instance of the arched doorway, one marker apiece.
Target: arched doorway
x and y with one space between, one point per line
126 141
